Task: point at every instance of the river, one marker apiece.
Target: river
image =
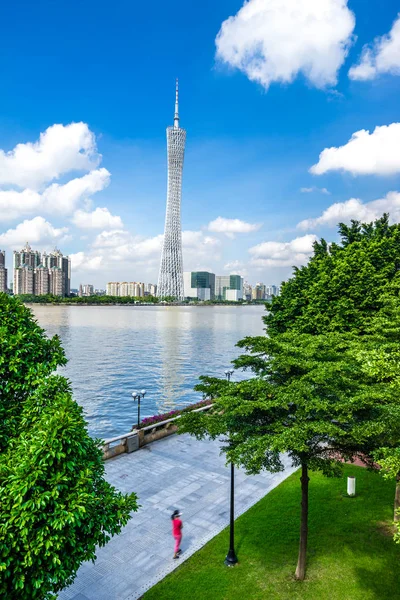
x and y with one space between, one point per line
113 350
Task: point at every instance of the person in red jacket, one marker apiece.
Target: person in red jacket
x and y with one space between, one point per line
177 531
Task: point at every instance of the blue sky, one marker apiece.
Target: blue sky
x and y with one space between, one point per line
262 95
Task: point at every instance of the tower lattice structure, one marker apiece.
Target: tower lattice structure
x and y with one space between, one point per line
170 279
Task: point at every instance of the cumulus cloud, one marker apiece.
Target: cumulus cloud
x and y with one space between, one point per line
376 153
80 261
118 251
100 218
37 231
310 190
276 40
232 226
344 212
382 56
57 198
236 267
283 254
60 149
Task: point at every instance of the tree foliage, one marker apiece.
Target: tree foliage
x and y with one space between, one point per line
56 505
344 285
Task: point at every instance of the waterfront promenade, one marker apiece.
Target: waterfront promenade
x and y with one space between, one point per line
176 472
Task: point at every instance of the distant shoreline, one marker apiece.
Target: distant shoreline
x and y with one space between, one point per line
138 305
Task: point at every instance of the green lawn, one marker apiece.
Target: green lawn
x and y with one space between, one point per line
351 554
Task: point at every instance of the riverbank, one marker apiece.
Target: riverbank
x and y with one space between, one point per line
129 301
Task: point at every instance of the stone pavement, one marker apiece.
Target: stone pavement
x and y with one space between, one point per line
176 472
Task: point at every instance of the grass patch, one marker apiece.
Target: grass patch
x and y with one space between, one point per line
351 555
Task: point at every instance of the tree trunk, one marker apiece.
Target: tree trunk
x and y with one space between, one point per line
397 499
301 563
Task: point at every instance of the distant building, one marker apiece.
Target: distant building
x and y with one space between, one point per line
247 291
56 281
112 288
23 280
40 274
41 281
126 289
199 285
273 290
88 290
57 259
259 292
3 272
150 289
229 287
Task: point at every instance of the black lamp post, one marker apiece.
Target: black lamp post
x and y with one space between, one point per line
138 396
231 558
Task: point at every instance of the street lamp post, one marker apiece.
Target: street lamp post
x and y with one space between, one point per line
231 558
138 396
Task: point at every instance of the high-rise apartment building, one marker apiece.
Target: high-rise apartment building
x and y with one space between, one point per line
41 281
112 288
131 289
57 259
23 280
3 272
56 281
170 280
34 273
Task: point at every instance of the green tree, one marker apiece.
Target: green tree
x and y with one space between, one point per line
312 398
344 285
56 505
351 286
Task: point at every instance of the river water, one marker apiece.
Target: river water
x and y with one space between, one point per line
113 350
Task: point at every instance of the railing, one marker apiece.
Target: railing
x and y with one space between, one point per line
135 439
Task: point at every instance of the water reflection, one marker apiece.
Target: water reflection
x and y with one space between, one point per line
114 350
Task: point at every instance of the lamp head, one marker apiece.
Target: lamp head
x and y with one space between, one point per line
143 392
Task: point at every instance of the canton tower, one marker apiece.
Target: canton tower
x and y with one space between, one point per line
170 279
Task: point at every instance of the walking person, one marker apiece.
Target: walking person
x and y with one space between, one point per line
177 531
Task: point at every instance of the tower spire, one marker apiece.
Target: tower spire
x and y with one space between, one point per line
176 117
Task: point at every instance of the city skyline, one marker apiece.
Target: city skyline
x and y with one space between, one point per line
286 140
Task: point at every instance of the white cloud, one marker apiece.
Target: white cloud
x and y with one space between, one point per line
376 153
383 56
232 226
276 40
60 149
310 190
36 231
118 252
64 198
283 254
236 267
56 198
101 218
343 212
82 262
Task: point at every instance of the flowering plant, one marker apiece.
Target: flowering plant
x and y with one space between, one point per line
170 415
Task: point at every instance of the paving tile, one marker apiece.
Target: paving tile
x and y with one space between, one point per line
177 472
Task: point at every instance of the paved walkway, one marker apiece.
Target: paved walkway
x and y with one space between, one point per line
176 472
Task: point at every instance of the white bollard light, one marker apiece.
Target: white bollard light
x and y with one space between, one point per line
351 486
